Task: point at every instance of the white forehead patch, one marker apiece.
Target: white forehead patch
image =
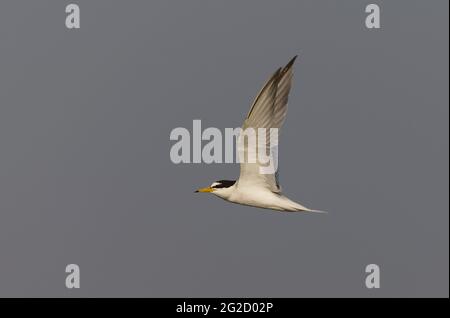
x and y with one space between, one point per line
214 184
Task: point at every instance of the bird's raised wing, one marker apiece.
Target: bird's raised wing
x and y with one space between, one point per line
268 111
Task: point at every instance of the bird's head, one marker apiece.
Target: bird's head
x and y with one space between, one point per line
221 188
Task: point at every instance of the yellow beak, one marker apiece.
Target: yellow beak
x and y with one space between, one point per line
207 189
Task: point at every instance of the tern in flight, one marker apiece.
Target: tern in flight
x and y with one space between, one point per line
254 188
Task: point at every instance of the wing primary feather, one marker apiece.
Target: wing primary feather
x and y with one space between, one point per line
266 86
276 77
289 64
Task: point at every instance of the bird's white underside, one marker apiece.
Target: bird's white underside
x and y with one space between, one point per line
258 196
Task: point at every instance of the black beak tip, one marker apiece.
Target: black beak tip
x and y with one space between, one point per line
195 191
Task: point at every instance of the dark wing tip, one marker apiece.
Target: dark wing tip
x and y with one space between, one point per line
289 65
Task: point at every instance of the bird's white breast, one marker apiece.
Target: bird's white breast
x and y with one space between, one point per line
257 196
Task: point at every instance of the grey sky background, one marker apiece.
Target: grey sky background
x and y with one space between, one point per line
86 178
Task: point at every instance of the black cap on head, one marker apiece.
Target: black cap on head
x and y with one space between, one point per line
223 184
